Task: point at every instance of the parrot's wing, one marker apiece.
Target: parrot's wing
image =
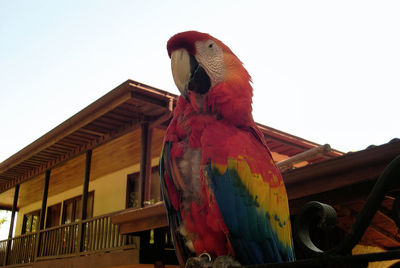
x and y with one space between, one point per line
253 205
171 201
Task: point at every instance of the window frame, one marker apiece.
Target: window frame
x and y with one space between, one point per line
75 200
25 222
59 205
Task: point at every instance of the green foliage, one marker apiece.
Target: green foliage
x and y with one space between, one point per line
2 220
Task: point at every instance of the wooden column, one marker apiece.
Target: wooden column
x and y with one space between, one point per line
145 164
44 200
85 190
42 211
14 209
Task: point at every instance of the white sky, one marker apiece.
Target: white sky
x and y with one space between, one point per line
327 71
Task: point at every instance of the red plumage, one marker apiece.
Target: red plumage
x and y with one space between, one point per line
218 177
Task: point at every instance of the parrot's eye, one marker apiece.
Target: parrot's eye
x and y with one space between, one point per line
211 44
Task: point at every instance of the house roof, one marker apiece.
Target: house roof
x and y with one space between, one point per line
116 113
345 182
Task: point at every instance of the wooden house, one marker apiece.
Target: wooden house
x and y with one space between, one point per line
87 193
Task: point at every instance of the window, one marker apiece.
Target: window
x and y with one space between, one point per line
133 195
53 215
72 208
31 222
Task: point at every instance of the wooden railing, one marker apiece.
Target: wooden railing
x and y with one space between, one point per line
86 236
3 248
59 240
99 233
22 249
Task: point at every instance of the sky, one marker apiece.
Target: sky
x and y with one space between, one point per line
326 71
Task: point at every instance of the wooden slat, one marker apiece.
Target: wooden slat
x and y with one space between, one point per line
143 99
47 154
123 113
130 107
105 127
109 120
90 132
109 233
71 147
85 135
62 147
54 152
75 140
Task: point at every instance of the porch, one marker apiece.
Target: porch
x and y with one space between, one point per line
82 238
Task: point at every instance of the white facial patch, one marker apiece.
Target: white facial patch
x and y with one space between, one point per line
211 57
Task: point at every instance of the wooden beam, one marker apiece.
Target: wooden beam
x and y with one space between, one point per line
86 184
44 200
136 220
85 191
6 207
145 164
42 211
164 117
304 156
14 209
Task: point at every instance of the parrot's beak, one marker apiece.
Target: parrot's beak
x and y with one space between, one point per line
188 74
180 65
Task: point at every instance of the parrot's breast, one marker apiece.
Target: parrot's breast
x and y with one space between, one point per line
189 169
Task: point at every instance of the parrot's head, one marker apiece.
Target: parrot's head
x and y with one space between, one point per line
207 72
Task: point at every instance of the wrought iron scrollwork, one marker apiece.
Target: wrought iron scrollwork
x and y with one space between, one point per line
327 221
327 216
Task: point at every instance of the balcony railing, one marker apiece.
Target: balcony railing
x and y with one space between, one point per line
60 240
85 236
100 234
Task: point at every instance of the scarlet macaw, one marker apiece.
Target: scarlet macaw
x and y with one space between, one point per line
223 193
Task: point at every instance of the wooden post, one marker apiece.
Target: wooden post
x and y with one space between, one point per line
44 200
145 165
42 212
85 190
14 209
86 184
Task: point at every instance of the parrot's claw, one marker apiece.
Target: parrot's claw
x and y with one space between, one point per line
202 261
225 262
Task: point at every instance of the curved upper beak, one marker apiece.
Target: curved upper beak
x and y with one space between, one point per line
188 74
181 71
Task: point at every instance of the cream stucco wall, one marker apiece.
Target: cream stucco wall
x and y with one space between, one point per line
109 194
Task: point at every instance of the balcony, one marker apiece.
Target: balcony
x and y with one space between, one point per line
80 238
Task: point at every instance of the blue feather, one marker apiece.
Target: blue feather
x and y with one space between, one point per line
251 234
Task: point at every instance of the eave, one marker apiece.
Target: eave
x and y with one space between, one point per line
116 113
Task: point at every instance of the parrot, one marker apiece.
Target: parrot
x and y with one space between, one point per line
225 199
